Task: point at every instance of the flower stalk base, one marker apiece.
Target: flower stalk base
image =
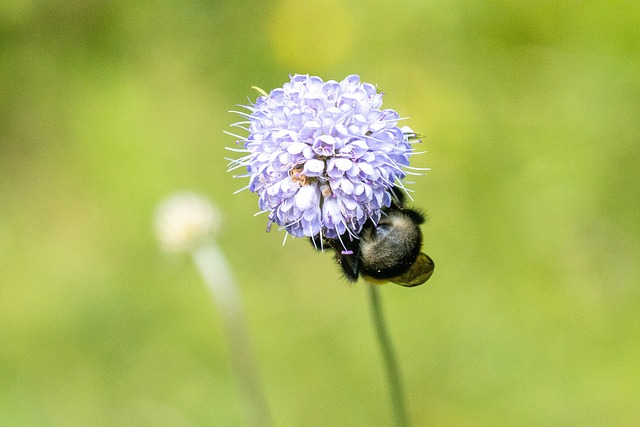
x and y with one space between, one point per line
391 366
216 273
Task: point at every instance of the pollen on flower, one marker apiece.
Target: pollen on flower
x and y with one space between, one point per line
326 190
183 220
322 156
298 177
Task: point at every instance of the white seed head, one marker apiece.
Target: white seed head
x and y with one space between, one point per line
185 219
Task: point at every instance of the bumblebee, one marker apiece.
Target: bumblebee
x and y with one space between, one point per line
387 252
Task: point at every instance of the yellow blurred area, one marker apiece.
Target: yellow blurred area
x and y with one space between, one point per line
312 36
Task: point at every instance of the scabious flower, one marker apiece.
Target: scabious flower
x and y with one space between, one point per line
322 156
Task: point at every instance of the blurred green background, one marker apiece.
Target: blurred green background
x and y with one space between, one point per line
531 114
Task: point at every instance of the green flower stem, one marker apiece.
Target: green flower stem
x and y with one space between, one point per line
216 273
391 365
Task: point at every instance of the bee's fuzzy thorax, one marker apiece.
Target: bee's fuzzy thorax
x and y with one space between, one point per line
387 250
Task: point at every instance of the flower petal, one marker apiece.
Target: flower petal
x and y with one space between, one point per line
313 166
306 197
343 164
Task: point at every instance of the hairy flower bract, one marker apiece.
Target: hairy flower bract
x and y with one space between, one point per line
322 156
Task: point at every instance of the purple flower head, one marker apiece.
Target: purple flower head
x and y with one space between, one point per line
322 156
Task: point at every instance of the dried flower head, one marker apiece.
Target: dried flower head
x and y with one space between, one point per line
322 156
184 220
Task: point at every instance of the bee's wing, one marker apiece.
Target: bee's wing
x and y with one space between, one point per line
419 272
